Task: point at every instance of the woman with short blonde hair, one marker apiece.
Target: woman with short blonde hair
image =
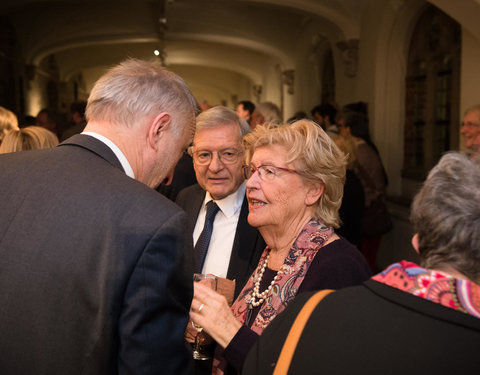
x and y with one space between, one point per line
295 175
319 159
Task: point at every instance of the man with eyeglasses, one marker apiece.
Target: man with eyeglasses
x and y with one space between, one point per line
470 129
234 247
218 158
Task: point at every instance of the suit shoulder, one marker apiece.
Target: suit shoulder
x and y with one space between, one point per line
152 200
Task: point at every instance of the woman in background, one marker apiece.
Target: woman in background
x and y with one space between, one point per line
29 138
8 122
369 169
353 202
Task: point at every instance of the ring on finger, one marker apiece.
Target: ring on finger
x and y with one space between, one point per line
201 307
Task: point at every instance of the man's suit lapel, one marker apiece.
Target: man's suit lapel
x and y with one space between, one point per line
94 145
193 207
247 248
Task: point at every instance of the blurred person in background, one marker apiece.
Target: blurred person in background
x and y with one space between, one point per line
470 130
51 120
245 110
78 120
28 138
325 115
376 220
266 112
8 122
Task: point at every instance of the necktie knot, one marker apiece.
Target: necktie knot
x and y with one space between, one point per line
212 209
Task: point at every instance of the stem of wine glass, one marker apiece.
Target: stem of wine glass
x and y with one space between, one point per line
197 348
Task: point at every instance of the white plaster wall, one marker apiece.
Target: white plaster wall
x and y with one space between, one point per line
384 41
304 85
385 38
345 86
217 86
36 95
271 84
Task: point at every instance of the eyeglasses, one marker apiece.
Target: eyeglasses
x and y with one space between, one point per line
470 124
228 156
265 172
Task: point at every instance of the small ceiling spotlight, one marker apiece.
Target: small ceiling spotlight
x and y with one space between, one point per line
156 52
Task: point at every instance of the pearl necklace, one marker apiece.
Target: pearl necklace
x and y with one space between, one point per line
256 294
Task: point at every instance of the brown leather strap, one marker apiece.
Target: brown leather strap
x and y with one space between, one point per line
286 355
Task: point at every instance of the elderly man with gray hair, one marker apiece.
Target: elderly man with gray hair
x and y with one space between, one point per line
233 247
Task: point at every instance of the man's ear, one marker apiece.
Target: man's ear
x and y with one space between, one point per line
415 242
314 193
157 128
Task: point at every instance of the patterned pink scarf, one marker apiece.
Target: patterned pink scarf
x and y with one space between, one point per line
458 294
313 236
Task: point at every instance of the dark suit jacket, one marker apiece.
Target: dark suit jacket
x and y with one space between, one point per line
92 272
373 329
248 244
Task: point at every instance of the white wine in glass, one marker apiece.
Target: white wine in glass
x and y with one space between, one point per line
197 350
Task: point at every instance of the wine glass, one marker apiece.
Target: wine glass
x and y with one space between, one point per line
197 351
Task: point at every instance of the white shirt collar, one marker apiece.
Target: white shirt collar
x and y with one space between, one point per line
118 153
231 203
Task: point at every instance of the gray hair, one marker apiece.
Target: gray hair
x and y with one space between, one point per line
446 216
270 112
135 90
222 116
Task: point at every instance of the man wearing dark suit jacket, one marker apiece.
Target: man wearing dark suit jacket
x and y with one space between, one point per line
235 247
218 157
92 268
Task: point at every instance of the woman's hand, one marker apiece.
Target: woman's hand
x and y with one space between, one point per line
215 315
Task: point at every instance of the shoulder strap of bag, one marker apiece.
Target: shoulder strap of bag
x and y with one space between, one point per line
286 355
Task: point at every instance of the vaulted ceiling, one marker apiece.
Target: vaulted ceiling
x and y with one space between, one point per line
210 41
213 44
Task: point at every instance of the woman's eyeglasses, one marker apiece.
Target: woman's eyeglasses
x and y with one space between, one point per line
265 172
